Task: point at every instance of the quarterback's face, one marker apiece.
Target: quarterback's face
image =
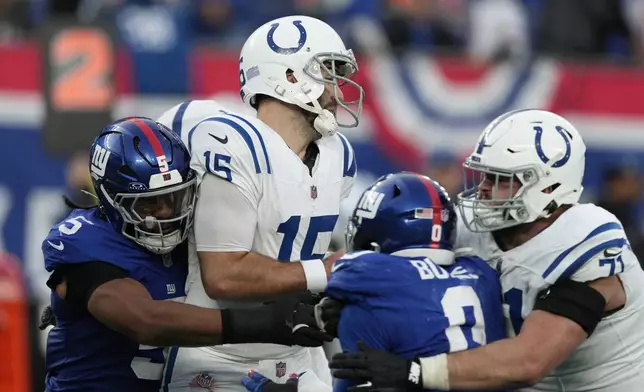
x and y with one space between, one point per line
329 98
331 95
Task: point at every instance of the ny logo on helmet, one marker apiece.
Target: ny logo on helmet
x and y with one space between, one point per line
99 161
369 204
280 50
565 135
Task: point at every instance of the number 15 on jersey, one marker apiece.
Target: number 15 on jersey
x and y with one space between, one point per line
291 227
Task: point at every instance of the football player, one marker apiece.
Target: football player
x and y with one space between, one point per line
573 289
270 190
113 265
403 288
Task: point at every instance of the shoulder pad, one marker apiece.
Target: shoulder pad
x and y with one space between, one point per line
185 115
366 273
341 145
83 236
226 144
590 231
475 266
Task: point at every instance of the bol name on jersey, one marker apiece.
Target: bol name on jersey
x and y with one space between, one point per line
412 307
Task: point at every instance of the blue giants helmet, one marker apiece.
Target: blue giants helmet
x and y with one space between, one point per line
402 212
141 173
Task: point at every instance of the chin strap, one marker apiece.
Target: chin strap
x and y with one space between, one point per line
325 122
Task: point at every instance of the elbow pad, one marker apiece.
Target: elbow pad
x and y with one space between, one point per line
575 301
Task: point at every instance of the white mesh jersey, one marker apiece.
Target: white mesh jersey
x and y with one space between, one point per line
585 243
296 212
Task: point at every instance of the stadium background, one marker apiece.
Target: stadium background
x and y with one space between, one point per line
435 73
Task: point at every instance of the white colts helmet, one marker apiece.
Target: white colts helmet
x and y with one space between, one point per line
539 149
314 53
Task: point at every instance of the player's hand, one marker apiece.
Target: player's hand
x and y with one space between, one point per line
47 318
327 315
256 382
382 369
297 326
305 329
285 320
328 261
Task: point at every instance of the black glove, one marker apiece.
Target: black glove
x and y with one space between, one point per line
47 318
284 321
385 371
327 315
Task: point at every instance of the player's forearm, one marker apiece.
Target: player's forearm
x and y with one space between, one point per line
545 341
254 276
503 364
165 323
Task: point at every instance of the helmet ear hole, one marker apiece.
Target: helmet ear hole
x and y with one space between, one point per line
397 191
127 171
551 188
290 77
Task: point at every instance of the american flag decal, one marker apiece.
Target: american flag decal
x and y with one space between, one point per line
424 213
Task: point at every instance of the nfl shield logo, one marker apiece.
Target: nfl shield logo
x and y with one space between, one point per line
202 380
314 192
444 215
280 369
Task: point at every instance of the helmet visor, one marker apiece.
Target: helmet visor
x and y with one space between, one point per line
339 69
162 217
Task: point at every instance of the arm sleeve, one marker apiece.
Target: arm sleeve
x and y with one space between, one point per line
225 217
83 278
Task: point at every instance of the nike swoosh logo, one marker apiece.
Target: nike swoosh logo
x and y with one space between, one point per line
222 140
59 246
608 253
336 266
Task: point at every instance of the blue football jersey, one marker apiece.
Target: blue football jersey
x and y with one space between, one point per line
83 354
412 307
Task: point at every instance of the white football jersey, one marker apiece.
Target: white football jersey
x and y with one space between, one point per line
296 211
585 243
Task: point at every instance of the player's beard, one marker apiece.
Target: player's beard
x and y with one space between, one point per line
326 103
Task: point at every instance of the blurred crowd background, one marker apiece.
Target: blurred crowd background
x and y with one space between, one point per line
435 73
482 29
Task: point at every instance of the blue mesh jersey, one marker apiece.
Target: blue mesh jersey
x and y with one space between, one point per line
82 353
412 307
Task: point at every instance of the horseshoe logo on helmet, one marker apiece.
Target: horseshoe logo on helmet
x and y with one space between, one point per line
294 49
565 136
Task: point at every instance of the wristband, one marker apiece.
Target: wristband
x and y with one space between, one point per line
435 372
315 275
